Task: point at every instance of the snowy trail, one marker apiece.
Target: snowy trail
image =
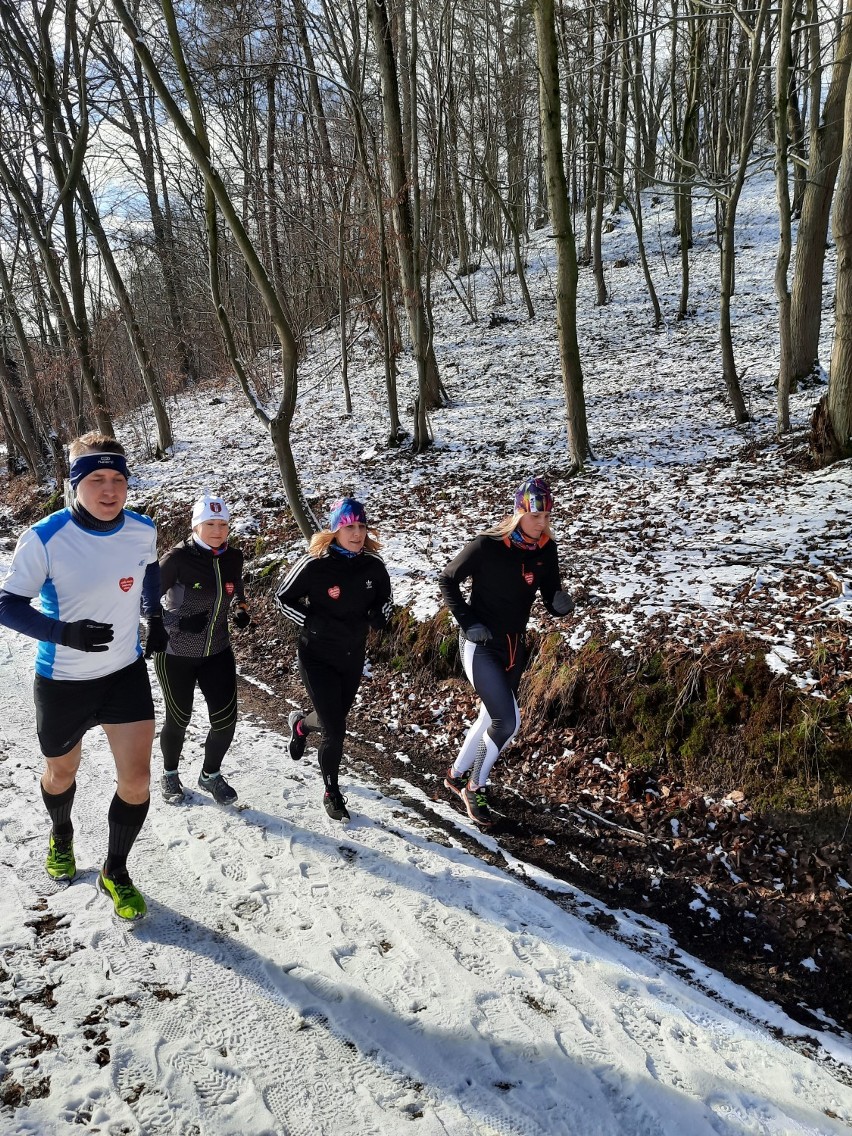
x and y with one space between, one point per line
295 976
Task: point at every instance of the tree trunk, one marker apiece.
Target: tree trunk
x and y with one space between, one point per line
826 145
342 291
52 456
453 159
782 182
727 260
550 109
21 419
601 131
619 158
796 130
687 157
430 394
838 400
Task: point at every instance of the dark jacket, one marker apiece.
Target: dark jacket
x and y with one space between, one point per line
194 581
504 580
335 599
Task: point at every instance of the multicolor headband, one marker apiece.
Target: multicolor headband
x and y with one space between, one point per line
534 496
88 463
346 511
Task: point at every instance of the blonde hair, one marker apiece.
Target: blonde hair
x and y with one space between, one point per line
509 524
320 542
94 443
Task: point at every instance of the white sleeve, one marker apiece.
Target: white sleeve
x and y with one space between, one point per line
30 567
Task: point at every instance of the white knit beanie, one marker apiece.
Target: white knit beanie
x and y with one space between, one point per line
208 508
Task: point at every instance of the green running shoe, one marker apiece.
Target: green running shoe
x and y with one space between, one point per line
128 901
476 803
60 863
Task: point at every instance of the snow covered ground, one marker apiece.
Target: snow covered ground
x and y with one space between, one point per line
298 976
295 976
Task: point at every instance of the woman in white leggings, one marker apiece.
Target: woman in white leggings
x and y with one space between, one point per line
506 567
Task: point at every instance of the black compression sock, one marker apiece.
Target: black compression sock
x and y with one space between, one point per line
125 824
58 806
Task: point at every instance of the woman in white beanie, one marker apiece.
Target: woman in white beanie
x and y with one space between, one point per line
200 578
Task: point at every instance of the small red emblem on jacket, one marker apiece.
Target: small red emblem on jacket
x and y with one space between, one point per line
229 588
126 583
334 592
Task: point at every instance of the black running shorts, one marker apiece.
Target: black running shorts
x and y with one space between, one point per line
67 708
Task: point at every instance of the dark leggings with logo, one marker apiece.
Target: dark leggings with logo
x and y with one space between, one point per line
216 677
332 685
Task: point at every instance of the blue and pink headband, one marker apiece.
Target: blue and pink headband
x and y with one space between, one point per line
346 511
88 463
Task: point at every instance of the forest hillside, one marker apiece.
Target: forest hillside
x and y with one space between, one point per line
688 725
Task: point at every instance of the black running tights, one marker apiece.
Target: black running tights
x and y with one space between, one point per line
332 686
216 676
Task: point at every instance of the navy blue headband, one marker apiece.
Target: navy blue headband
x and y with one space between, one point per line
87 463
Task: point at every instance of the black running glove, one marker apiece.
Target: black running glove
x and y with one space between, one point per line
157 638
562 603
377 617
194 623
477 633
241 617
87 635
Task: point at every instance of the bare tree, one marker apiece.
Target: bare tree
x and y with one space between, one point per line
430 392
550 105
832 429
825 150
125 106
195 139
730 200
782 182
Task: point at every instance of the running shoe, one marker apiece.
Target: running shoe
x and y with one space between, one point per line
296 742
127 900
60 863
171 787
455 784
335 804
476 803
216 785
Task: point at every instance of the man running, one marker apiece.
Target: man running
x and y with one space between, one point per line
93 567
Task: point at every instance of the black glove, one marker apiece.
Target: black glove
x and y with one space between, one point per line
562 603
379 617
477 633
157 638
241 617
194 623
87 635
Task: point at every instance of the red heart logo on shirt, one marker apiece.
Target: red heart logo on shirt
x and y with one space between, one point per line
229 588
126 583
529 577
334 592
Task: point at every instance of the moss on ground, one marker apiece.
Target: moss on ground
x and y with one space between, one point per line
720 719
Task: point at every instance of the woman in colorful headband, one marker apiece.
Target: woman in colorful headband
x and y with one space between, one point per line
334 594
506 566
201 578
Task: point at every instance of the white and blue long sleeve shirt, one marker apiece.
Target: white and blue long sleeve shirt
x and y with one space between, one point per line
81 573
